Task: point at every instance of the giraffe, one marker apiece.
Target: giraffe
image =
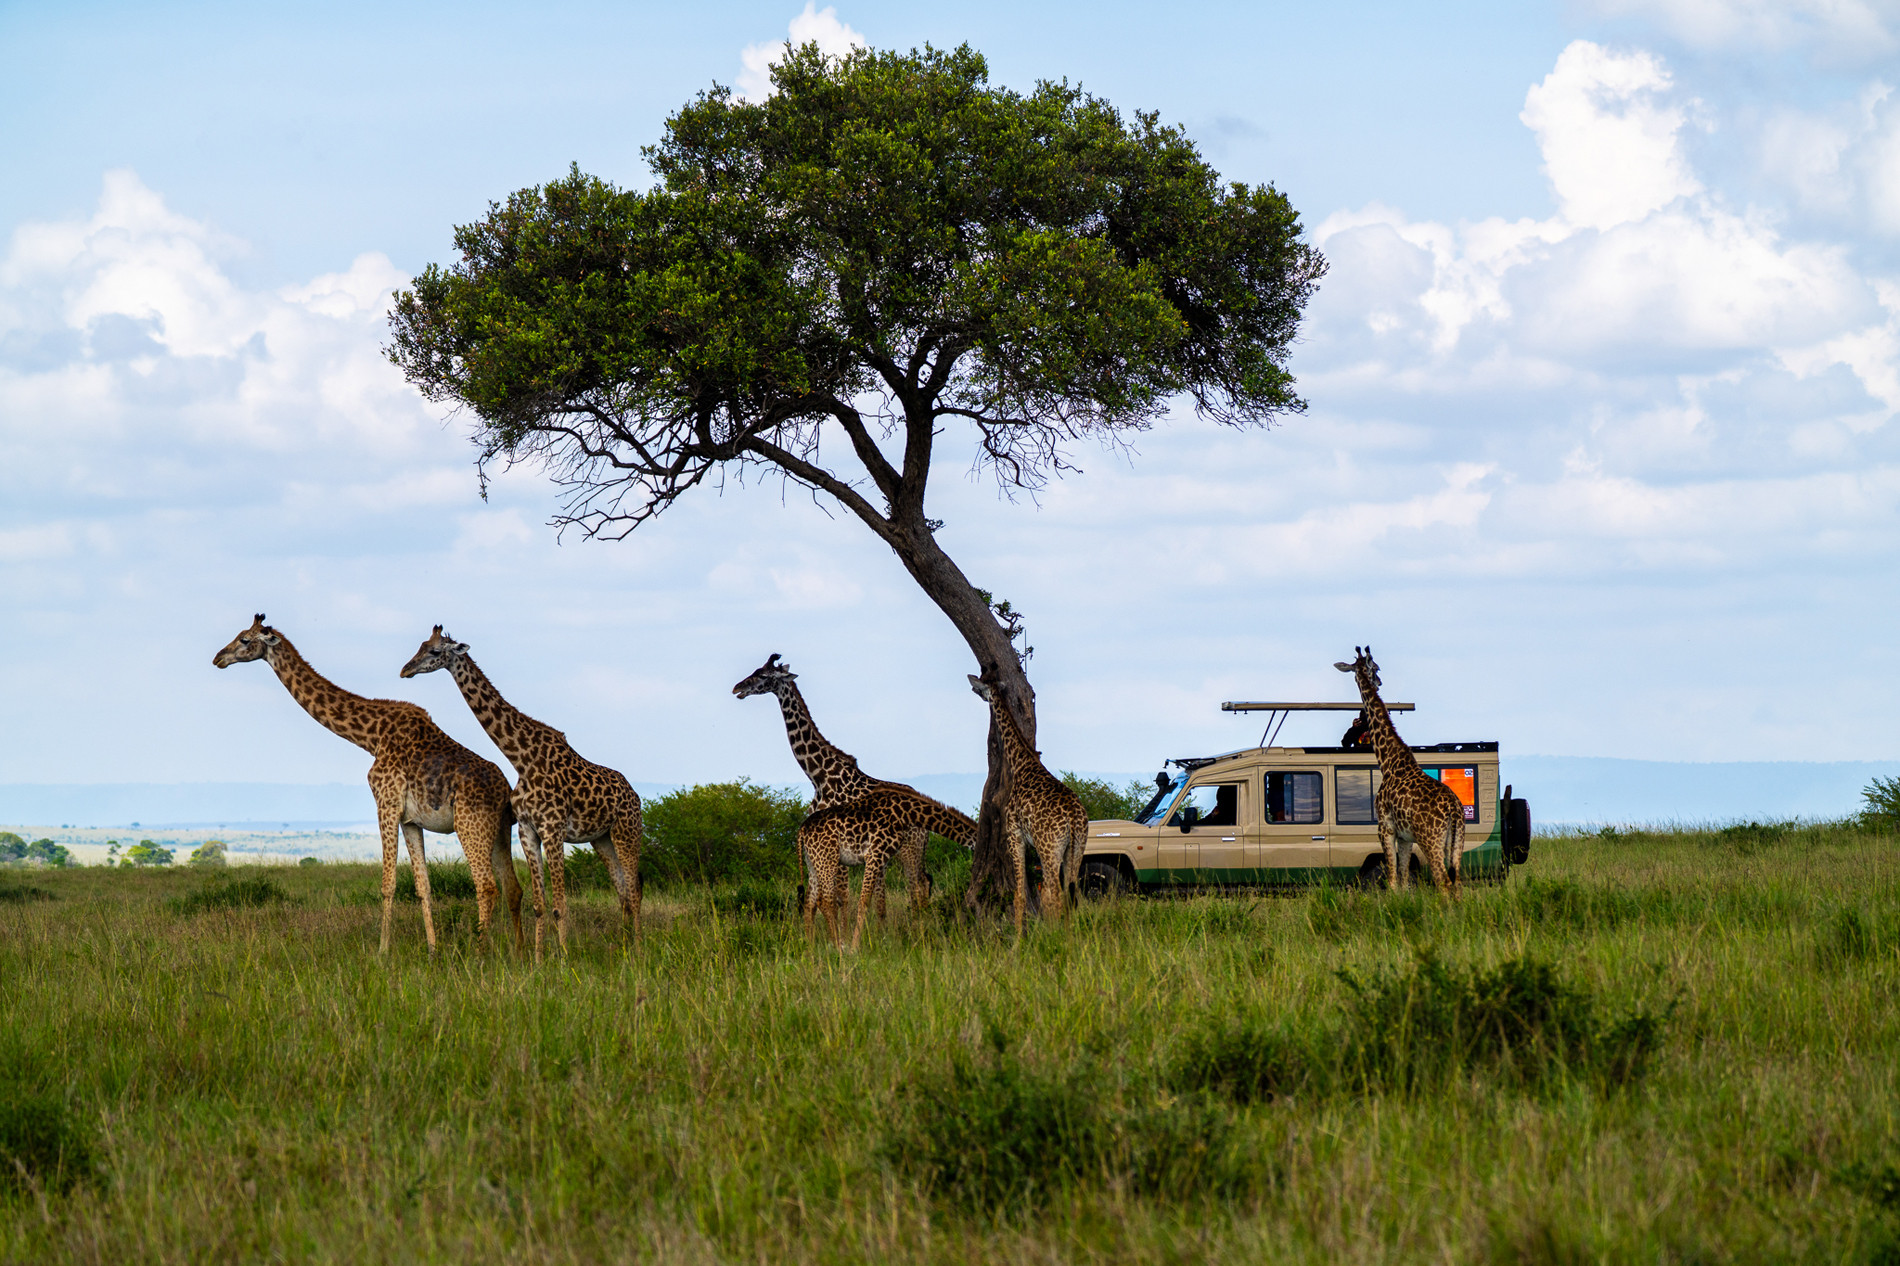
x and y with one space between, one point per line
1412 806
422 779
879 825
836 778
1039 812
560 798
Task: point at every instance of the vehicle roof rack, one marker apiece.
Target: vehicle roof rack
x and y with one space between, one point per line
1277 713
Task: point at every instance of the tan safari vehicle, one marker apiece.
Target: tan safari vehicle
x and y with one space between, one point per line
1271 816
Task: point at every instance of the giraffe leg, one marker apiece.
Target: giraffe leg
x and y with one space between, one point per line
475 831
628 830
808 899
1388 842
1457 846
876 856
537 874
1017 860
1049 852
916 884
388 812
557 883
502 861
420 866
1433 844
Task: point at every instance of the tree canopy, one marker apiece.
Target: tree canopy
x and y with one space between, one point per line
824 283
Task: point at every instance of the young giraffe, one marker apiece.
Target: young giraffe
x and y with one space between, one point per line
836 778
1040 812
1412 806
422 779
878 825
560 798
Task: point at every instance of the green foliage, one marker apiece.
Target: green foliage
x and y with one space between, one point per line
209 853
1882 811
885 222
15 851
727 832
1852 936
308 861
1105 801
147 853
1000 1137
19 894
1245 1059
43 1142
448 881
586 871
231 893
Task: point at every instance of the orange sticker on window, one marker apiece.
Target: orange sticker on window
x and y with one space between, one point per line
1464 784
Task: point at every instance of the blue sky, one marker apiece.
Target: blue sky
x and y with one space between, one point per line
1602 456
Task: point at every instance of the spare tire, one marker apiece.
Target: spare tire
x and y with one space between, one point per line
1517 831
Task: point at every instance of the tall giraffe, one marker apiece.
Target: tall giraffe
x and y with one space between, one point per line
560 798
877 824
422 779
836 779
1412 806
1040 812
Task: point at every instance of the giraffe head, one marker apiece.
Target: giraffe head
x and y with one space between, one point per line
253 643
767 680
1363 670
438 650
984 691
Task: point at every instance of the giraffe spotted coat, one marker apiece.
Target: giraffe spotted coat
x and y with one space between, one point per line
422 779
1413 808
878 825
1041 813
560 799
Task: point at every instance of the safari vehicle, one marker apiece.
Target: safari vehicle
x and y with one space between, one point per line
1272 815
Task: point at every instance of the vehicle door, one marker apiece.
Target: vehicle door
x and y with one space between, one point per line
1201 841
1355 827
1290 843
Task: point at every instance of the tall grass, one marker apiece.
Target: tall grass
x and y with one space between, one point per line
1654 1047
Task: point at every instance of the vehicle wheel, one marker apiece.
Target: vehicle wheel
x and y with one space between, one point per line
1102 879
1372 874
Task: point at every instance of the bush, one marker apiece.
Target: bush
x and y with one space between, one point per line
1104 801
1245 1060
723 832
147 853
230 894
19 894
15 851
1883 804
308 861
583 869
209 853
1002 1138
448 881
43 1142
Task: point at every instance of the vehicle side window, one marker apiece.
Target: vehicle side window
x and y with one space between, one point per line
1353 790
1294 797
1213 803
1464 781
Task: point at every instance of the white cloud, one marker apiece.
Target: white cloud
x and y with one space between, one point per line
814 25
1848 30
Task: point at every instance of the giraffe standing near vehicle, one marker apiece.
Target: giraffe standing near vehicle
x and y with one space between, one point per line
878 826
422 779
837 780
1040 813
1411 805
560 798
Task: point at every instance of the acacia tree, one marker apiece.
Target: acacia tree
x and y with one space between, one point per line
825 284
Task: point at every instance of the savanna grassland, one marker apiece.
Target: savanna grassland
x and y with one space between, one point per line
1658 1047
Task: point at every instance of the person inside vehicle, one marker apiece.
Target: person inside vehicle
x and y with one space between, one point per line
1226 806
1358 734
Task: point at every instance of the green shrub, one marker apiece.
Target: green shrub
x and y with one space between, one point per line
147 853
722 833
1244 1059
308 861
585 870
1000 1137
230 894
1102 800
20 894
1413 1031
448 881
43 1142
1882 812
208 854
15 851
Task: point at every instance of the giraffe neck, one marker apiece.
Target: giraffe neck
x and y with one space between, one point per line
346 715
822 762
1016 749
1391 750
520 737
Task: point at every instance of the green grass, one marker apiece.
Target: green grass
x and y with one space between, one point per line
1654 1046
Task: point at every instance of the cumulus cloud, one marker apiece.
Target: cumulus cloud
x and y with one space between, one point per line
1850 30
814 26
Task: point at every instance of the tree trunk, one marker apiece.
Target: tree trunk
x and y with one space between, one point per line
992 877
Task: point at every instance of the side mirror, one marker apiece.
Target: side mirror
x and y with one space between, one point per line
1189 817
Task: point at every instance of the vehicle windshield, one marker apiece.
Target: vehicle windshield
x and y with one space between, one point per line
1157 810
